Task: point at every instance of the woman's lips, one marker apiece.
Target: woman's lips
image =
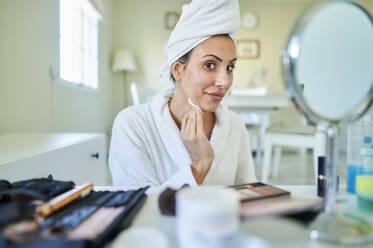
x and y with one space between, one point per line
216 96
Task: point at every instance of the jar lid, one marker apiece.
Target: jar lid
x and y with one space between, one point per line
207 201
364 184
366 151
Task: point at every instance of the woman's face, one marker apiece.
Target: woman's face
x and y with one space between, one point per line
208 74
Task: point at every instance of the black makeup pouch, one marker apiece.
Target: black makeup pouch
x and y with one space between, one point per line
89 221
34 189
18 199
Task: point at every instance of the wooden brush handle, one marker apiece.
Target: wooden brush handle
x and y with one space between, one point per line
58 202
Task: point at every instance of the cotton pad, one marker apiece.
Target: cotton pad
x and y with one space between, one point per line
194 105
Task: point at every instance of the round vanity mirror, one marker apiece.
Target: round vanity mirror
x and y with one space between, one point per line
328 62
328 72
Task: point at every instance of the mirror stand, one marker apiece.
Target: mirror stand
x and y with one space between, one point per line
331 168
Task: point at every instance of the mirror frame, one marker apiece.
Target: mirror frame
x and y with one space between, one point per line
289 62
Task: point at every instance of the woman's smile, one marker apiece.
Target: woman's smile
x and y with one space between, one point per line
216 96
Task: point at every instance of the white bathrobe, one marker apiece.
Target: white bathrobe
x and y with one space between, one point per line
146 148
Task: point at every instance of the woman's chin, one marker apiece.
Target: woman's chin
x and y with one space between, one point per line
210 107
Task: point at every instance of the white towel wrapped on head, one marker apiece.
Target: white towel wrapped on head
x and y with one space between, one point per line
200 20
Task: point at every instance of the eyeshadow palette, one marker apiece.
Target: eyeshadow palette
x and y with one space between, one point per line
257 191
261 200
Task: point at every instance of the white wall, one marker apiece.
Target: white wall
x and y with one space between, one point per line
368 4
275 21
29 100
139 26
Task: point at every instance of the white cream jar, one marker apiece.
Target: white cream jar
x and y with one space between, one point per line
207 217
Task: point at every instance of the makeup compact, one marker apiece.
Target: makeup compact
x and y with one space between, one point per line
257 191
260 199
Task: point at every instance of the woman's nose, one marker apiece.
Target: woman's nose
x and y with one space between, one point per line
222 81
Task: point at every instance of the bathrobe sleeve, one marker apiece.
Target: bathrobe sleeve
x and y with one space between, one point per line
129 160
245 169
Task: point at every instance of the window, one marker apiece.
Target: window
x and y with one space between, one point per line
79 42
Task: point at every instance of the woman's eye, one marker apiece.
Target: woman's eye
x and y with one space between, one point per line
210 65
230 68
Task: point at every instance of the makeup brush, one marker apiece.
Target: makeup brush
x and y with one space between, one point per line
60 201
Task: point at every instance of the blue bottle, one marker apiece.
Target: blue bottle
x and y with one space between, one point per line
367 161
359 141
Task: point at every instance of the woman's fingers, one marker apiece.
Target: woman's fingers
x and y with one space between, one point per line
189 126
195 139
193 134
199 123
192 123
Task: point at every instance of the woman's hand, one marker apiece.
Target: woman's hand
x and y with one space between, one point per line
193 134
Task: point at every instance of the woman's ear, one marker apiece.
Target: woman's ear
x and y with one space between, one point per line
177 70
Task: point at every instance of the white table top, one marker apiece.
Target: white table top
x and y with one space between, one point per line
273 231
256 102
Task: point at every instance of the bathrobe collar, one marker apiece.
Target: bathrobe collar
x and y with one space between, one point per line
170 133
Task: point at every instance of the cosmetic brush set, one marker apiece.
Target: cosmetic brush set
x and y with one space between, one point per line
50 213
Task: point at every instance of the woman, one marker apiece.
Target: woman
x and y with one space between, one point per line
184 135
